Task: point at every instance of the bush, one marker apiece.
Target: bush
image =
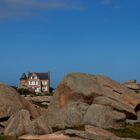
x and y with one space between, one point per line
24 91
76 127
128 132
49 94
7 138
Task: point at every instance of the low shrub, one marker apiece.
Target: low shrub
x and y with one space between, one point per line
128 132
77 127
7 138
24 91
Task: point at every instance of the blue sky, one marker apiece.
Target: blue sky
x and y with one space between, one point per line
91 36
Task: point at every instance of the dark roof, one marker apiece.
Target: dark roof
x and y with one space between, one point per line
41 76
23 77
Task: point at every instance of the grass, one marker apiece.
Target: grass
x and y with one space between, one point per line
49 94
7 138
129 132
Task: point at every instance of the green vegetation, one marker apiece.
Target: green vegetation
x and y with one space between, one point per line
24 91
7 138
41 105
129 132
77 127
49 94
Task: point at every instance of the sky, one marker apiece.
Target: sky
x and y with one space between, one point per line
63 36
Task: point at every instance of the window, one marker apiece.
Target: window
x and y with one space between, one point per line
44 82
36 82
46 89
37 90
33 77
33 82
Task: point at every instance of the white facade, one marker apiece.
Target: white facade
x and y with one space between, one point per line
38 82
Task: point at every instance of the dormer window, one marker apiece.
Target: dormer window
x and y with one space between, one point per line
33 77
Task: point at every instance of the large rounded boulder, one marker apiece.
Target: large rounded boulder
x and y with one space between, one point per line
84 98
20 124
90 87
12 102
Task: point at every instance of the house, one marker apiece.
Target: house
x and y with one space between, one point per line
37 82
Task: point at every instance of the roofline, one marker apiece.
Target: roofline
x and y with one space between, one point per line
40 73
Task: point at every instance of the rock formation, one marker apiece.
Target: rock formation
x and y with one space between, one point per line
93 102
132 84
90 133
80 96
21 124
11 102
